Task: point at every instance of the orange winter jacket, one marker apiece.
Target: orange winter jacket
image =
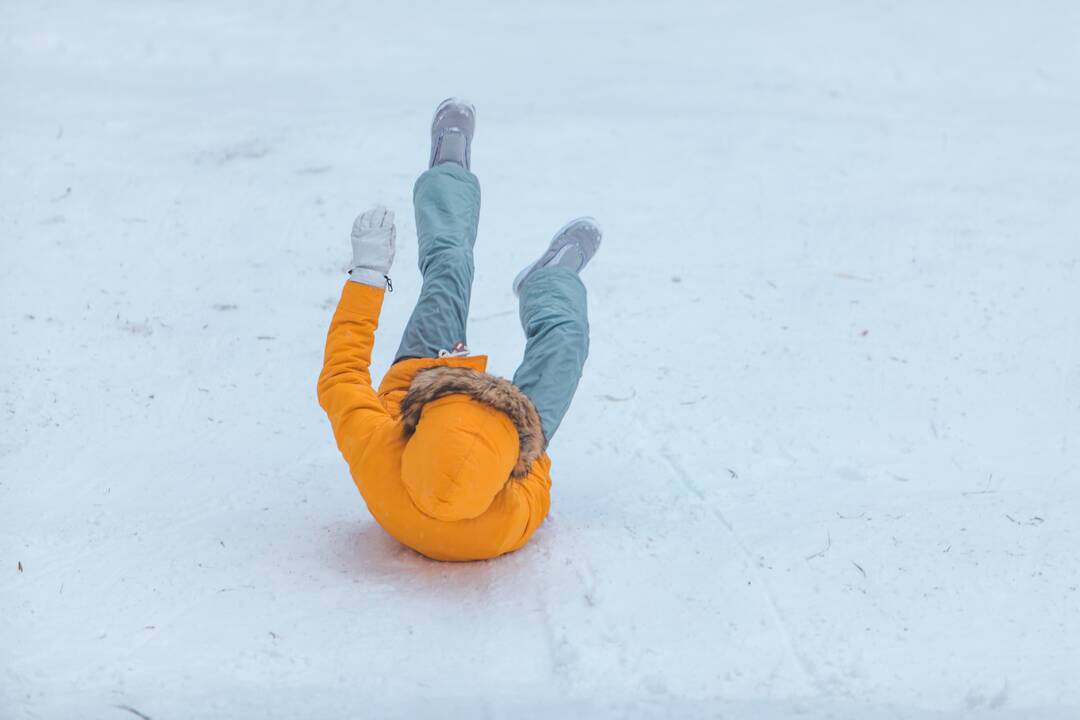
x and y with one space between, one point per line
446 490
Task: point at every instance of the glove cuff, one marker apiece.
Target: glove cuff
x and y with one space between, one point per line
367 276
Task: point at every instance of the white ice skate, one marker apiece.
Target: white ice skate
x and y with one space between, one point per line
573 247
452 132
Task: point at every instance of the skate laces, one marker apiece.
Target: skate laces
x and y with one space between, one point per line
459 350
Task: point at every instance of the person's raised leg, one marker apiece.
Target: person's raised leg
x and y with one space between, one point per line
447 202
554 315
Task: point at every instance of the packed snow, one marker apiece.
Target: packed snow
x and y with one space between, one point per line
824 461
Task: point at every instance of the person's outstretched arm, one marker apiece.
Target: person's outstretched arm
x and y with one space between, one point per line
345 390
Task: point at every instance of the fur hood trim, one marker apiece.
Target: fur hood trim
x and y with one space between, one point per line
495 392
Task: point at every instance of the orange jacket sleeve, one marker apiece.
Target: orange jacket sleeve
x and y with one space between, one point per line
345 391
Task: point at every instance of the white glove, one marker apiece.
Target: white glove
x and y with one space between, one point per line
373 247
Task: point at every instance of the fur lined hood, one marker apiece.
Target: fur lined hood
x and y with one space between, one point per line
495 392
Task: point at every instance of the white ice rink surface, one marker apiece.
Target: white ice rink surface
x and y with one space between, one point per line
824 461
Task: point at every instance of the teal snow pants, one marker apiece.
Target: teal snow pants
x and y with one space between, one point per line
553 306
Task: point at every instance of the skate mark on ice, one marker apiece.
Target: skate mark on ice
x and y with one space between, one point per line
246 150
577 628
560 653
588 582
778 618
133 711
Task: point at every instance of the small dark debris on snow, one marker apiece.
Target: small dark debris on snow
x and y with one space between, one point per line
859 568
1032 521
676 279
224 307
734 475
264 337
864 333
20 566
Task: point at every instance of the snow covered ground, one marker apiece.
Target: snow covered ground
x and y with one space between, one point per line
825 458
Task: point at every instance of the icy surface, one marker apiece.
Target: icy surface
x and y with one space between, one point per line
825 458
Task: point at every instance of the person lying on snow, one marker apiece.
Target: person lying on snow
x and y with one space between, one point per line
451 461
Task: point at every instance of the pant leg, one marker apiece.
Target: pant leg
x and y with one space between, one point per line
554 315
447 203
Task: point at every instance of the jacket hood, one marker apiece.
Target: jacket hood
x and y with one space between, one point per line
468 434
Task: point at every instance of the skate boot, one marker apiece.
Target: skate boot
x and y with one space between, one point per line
452 133
572 247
